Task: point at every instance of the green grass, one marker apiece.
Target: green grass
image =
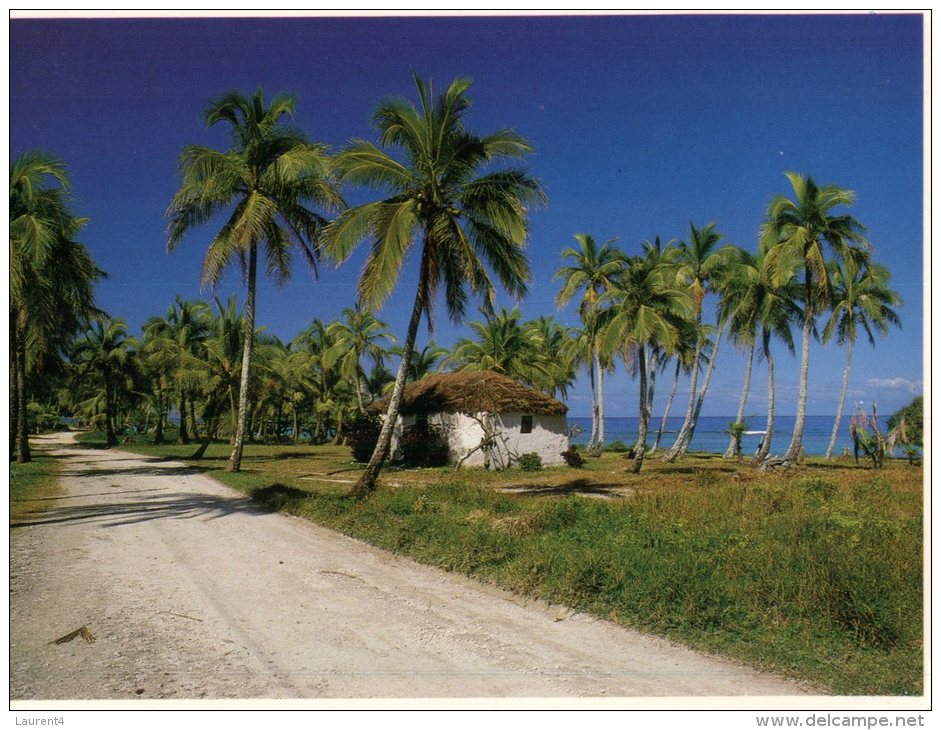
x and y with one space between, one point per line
32 486
816 574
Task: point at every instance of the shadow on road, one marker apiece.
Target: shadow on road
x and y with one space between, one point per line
174 506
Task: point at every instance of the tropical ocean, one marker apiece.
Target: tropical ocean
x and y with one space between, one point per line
711 433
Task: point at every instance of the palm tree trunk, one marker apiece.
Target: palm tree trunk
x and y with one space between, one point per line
839 408
184 434
14 387
599 445
158 431
651 382
233 416
235 459
644 413
212 425
594 405
793 451
702 392
765 445
111 437
694 381
730 452
367 482
338 436
193 418
22 433
359 393
666 411
294 425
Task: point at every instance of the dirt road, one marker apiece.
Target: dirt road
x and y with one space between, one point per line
191 591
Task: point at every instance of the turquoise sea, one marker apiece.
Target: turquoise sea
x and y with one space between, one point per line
710 434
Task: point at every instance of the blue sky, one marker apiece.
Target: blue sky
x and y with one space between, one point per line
641 125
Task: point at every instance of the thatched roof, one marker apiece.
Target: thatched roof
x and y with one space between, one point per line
472 392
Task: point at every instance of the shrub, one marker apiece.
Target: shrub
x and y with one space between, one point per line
617 447
530 462
362 436
423 445
573 458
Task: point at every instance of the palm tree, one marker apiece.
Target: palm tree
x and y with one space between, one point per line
743 332
591 272
803 228
647 313
104 352
263 183
52 277
552 366
422 362
683 354
359 334
863 300
462 217
698 266
500 343
180 337
772 309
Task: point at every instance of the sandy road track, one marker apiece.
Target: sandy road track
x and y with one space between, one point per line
191 591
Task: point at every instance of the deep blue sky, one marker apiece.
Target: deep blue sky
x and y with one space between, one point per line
641 125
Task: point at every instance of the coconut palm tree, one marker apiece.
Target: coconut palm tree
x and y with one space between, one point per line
772 309
861 300
689 336
591 272
698 266
263 183
738 309
500 343
103 353
52 278
179 338
441 198
804 228
359 334
423 362
647 312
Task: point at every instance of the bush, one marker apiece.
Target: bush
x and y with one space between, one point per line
573 458
423 445
362 436
616 447
530 462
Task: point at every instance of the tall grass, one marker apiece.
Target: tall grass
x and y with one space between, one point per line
816 581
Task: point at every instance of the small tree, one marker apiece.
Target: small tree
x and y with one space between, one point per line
735 431
867 437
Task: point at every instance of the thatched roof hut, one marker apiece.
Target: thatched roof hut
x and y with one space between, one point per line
473 392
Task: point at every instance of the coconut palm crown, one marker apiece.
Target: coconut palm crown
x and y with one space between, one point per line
263 183
805 228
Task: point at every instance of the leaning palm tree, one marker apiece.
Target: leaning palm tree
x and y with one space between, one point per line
591 271
698 266
263 183
804 228
862 300
647 314
775 308
441 198
737 307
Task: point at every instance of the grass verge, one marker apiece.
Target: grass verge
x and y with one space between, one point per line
32 486
816 574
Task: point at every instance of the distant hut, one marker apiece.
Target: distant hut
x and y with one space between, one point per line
488 419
